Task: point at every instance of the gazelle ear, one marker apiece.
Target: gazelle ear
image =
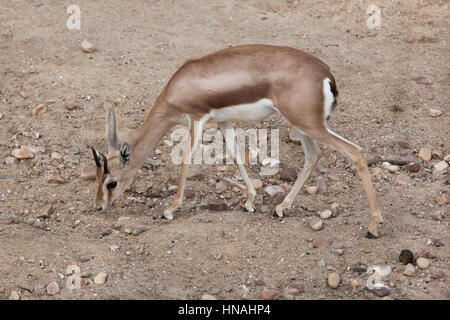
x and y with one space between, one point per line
125 155
111 132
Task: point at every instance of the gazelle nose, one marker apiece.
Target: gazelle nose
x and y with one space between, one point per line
99 208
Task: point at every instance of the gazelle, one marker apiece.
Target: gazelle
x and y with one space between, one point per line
249 82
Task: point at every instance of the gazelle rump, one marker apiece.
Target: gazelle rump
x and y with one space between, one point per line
240 83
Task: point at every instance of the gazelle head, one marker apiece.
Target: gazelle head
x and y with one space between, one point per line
113 176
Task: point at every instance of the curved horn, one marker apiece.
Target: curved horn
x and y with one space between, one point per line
111 132
97 160
105 164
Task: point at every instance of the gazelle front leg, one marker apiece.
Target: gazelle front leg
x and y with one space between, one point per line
191 143
230 138
312 155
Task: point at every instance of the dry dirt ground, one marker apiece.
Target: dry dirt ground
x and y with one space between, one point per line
230 254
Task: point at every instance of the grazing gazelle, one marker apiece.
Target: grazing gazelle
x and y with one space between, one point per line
247 82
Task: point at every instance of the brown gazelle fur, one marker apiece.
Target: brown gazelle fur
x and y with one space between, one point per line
239 83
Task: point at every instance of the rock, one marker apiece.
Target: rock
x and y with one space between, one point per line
100 278
35 149
409 270
437 215
53 288
406 256
234 202
106 233
34 135
287 188
86 46
320 243
403 179
315 223
220 187
294 137
334 209
115 247
23 94
89 173
270 294
289 174
259 282
322 263
215 204
440 166
56 179
70 158
311 190
139 230
11 160
208 297
372 159
55 155
188 193
422 263
425 154
84 258
423 80
380 291
321 185
294 289
70 105
412 167
436 155
128 230
73 150
441 201
325 214
333 280
22 153
353 285
401 160
390 167
338 252
257 184
447 158
14 295
45 212
437 243
358 267
273 190
435 112
278 198
40 109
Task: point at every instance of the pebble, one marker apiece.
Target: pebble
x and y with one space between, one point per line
311 190
294 137
437 243
84 258
423 263
208 297
270 294
440 166
315 223
435 112
401 160
423 80
87 46
441 201
358 267
320 243
70 105
139 230
333 280
289 174
425 154
353 285
215 204
338 252
412 167
438 215
34 135
220 187
380 292
321 185
11 160
23 94
321 263
188 193
390 167
334 209
287 188
14 295
447 158
278 198
257 184
45 212
53 288
22 153
410 270
325 214
56 179
40 109
273 190
234 201
406 256
55 155
100 278
73 150
403 179
115 247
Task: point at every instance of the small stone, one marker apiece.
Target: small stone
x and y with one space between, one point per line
380 292
128 230
139 230
259 282
289 174
353 285
287 188
325 214
56 179
273 190
188 193
435 112
257 184
11 160
423 263
425 154
215 204
23 94
321 185
86 46
22 153
401 160
208 297
441 201
315 223
440 166
422 80
294 136
34 135
234 202
55 155
14 295
409 270
220 187
73 150
406 256
320 243
278 198
338 252
40 109
403 179
100 278
447 158
334 209
390 167
333 280
115 247
106 233
437 243
412 167
270 294
437 215
321 263
53 288
358 267
84 258
70 105
311 190
45 212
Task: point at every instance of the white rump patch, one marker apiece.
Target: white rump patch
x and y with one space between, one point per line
257 111
329 97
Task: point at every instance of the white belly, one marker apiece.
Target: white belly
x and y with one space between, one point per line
257 111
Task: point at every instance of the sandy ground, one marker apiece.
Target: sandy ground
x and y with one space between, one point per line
231 254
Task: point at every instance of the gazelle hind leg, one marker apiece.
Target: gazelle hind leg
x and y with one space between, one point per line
230 140
312 155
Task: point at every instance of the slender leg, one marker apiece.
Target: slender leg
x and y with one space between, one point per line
195 134
230 140
355 154
312 155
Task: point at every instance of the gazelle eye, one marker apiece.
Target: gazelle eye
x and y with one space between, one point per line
111 185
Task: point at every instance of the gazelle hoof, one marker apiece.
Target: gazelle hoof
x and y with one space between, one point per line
168 215
279 211
369 235
249 207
